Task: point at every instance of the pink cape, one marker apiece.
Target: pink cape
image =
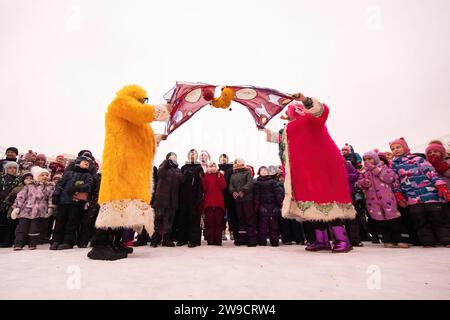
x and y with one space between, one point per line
316 179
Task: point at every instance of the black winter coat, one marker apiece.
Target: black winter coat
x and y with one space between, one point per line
66 188
267 194
168 188
191 187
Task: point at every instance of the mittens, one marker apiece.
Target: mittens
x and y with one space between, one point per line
15 213
401 201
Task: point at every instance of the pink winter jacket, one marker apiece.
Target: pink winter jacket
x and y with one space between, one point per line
34 200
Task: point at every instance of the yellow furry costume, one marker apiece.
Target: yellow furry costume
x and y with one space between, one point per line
127 164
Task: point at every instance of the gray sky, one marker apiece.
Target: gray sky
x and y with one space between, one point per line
383 68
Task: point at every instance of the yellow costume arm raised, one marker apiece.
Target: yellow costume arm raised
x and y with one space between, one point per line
138 113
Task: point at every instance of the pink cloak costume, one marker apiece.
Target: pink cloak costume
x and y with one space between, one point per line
315 183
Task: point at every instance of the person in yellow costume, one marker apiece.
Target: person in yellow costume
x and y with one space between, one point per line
127 168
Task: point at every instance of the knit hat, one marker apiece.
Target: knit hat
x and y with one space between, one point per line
29 154
401 141
13 149
10 164
436 147
36 172
26 175
373 155
60 157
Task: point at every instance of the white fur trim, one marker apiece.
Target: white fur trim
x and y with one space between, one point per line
133 214
286 209
317 108
162 112
290 210
313 214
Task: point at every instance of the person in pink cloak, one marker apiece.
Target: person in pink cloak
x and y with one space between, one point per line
315 178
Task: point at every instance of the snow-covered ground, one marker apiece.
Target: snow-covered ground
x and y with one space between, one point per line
228 272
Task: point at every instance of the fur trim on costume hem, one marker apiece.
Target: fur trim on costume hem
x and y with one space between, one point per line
310 211
287 180
133 214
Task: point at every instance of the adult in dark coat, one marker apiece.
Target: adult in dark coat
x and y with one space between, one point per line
166 200
241 188
190 201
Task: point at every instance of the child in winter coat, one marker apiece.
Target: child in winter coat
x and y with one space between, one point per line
213 183
377 180
32 203
71 195
423 193
8 181
436 155
241 188
268 198
11 224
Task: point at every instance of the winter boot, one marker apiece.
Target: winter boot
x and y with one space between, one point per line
54 246
322 242
156 239
342 242
103 247
167 241
65 246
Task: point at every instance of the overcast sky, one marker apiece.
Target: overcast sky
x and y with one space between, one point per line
383 68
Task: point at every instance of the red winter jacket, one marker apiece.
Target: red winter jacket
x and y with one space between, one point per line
213 186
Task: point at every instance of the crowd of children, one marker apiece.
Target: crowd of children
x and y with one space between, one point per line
401 199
